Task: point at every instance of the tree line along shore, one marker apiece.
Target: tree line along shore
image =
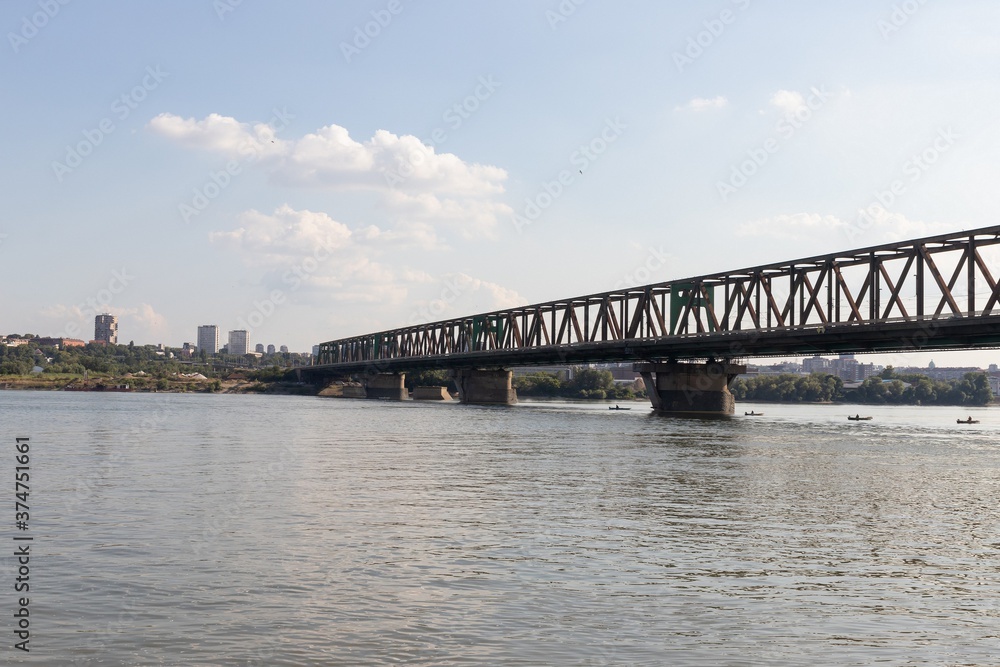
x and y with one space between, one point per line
888 388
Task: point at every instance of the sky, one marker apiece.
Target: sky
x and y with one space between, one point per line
312 170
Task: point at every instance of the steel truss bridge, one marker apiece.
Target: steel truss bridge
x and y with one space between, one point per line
933 293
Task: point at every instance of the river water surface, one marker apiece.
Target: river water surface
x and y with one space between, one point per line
249 530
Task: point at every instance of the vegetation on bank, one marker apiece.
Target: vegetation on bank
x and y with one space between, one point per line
436 378
141 368
117 360
587 383
889 388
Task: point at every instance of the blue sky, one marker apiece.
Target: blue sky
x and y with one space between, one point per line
181 163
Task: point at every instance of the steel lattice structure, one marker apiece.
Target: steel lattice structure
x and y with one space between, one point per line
936 292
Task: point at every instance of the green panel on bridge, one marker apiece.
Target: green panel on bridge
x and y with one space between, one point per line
680 293
485 325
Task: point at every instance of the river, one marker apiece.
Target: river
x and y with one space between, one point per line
278 530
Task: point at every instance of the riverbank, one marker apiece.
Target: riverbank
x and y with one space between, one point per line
148 385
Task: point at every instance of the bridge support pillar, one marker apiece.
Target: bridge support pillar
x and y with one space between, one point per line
681 388
431 394
485 387
387 386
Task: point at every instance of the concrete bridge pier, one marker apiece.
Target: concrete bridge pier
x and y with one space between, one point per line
485 387
690 388
387 386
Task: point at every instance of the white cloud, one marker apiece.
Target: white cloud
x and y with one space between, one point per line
878 225
411 177
873 227
308 251
458 294
311 257
329 157
704 104
284 235
472 218
791 226
144 317
417 235
788 101
220 134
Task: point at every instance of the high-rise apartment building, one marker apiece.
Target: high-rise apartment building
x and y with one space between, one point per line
208 339
106 328
239 342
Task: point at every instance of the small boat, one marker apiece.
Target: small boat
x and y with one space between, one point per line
970 420
753 414
618 408
859 418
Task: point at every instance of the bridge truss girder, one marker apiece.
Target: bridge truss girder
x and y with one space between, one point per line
932 293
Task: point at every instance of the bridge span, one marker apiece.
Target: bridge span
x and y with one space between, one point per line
932 293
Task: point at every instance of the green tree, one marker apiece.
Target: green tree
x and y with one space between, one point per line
592 379
15 367
539 384
433 378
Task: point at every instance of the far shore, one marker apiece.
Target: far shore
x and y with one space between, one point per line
146 385
217 386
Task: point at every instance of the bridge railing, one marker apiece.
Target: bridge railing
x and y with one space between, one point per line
938 277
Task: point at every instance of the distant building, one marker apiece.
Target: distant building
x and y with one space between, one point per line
815 364
106 328
993 377
315 350
208 339
943 373
564 373
239 342
846 367
866 371
61 343
189 350
284 349
270 349
778 369
259 348
622 373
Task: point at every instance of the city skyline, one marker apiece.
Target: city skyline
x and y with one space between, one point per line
411 166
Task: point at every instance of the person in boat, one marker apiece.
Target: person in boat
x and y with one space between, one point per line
857 416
